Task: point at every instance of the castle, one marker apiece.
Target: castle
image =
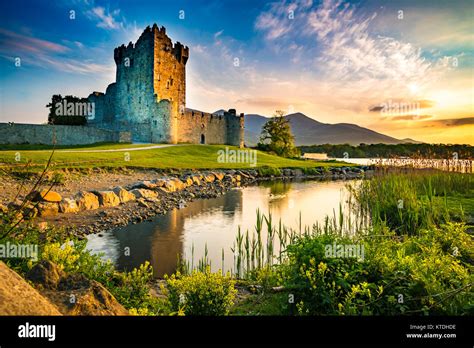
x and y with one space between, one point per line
148 98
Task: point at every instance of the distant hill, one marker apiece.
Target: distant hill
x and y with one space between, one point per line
308 131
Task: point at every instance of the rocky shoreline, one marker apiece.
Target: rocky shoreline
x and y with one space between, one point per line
97 211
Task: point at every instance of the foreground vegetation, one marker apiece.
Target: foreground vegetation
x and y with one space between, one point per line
413 255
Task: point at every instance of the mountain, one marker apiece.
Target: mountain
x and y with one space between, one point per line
311 132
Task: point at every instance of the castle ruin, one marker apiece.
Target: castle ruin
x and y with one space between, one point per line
148 98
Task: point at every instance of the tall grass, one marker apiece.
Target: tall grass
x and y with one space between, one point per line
408 201
400 203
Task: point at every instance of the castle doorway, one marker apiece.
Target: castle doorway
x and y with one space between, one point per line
203 139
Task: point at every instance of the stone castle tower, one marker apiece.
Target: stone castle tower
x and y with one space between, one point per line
149 97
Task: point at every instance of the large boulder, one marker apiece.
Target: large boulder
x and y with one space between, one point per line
144 193
108 198
87 200
46 274
73 294
123 194
90 298
47 208
174 184
68 205
44 196
17 297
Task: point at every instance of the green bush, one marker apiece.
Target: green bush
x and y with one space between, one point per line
201 293
425 274
269 171
311 171
131 289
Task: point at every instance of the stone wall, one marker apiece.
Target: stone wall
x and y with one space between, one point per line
199 127
18 133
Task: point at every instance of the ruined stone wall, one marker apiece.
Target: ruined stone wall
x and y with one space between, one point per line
18 133
202 127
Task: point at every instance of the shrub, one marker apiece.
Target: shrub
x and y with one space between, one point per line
131 289
201 293
269 171
72 257
418 275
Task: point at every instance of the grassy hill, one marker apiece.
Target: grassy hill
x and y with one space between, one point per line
177 157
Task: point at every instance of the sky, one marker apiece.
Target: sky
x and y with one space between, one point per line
403 68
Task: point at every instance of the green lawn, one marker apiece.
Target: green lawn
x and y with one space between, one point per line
178 157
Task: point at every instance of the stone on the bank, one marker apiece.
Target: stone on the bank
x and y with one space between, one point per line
144 193
209 177
188 181
87 200
145 185
68 205
244 175
160 182
108 199
219 175
44 196
29 211
142 203
196 180
123 194
229 177
47 208
174 184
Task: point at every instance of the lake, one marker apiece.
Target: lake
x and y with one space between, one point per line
215 222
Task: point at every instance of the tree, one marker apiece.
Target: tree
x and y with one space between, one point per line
276 136
68 110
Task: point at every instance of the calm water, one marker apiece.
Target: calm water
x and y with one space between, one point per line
215 222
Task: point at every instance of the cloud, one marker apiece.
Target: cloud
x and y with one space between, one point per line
105 19
46 54
411 117
450 122
14 42
340 48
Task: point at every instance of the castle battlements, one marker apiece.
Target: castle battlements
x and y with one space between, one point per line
153 36
149 96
